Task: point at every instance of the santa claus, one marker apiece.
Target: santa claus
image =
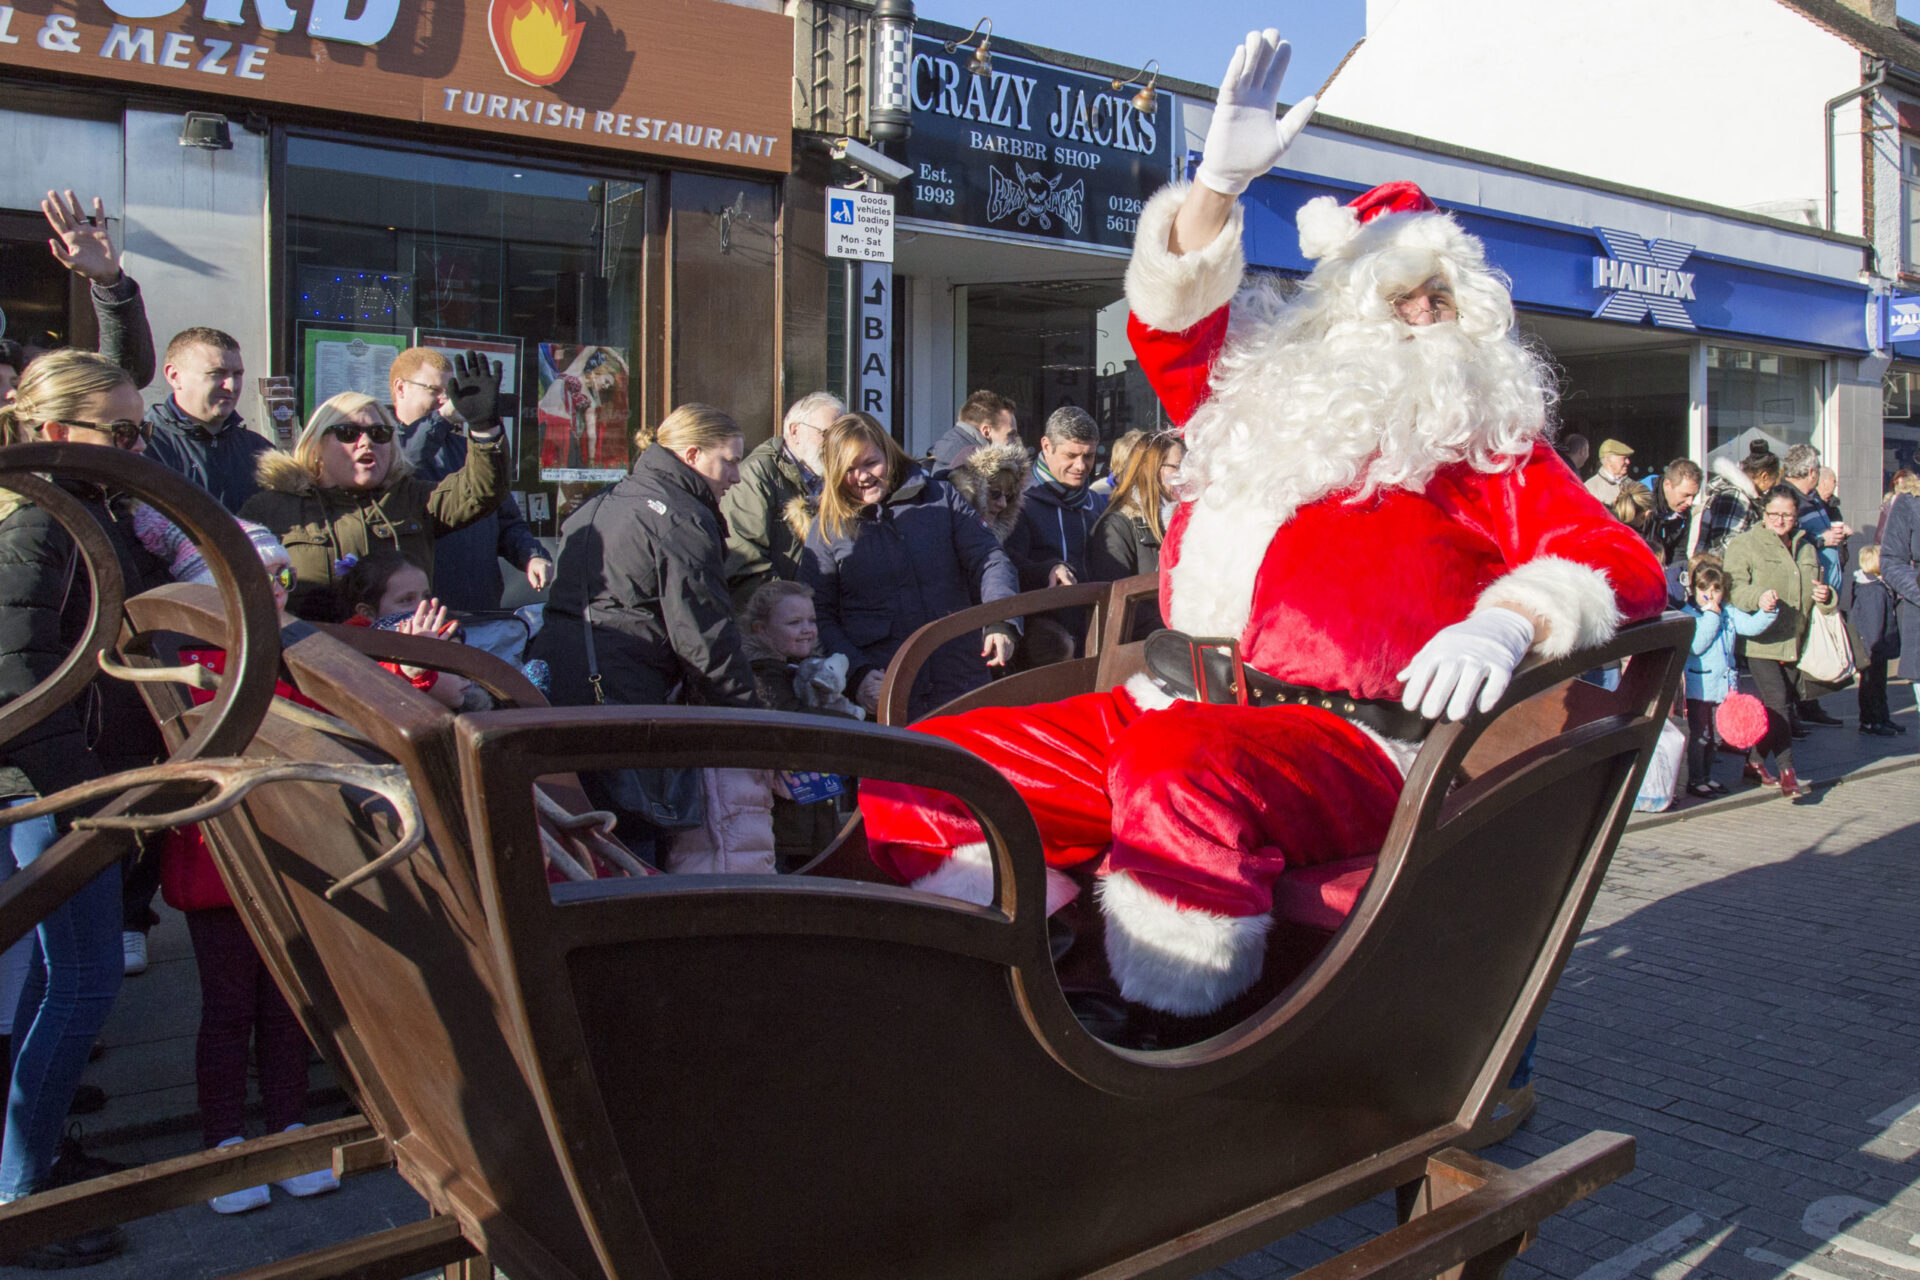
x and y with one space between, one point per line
1381 435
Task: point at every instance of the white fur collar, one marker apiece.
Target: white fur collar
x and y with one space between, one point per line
1220 557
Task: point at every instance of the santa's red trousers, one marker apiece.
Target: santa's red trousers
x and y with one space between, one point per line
1205 805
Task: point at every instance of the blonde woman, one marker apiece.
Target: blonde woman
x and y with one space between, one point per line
1126 538
45 602
643 563
890 550
345 491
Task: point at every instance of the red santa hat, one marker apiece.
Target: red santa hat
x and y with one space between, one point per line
1327 226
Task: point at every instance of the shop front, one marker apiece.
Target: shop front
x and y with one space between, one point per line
587 196
1013 233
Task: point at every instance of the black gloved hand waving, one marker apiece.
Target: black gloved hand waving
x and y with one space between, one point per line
475 390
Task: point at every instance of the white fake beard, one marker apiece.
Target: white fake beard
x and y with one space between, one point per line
1371 404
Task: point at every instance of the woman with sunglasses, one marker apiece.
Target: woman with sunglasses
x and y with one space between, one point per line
74 964
1775 566
347 491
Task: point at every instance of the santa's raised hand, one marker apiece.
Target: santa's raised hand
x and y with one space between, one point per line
1244 140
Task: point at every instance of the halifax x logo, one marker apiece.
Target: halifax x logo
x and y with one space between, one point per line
1645 279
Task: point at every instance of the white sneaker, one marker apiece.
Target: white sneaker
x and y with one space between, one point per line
133 952
244 1199
316 1183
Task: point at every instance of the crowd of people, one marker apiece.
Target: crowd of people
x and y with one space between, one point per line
785 577
1753 558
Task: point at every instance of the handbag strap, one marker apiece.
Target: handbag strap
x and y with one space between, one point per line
593 660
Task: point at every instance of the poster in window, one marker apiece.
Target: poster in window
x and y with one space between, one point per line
498 348
582 412
337 360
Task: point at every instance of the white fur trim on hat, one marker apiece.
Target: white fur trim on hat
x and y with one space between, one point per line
968 876
1325 225
1575 601
1179 960
1171 291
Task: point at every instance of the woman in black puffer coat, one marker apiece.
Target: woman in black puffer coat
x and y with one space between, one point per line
890 550
647 557
45 603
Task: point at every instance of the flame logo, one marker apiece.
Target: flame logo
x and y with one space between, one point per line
535 40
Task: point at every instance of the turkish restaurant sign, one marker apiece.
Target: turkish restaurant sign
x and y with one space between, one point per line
686 79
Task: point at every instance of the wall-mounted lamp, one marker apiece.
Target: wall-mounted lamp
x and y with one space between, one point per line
981 63
889 104
206 130
1145 100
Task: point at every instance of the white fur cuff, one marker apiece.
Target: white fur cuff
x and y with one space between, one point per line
1177 959
1173 292
1147 694
1575 601
968 876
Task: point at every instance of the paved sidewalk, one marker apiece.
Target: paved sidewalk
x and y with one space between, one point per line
1744 1002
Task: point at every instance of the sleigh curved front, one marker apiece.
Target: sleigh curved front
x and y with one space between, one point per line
806 1077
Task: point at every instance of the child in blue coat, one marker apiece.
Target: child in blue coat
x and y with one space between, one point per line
1710 674
1873 617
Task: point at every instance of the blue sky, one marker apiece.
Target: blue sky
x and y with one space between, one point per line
1192 40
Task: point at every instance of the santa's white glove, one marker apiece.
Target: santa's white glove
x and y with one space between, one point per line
1244 141
1472 657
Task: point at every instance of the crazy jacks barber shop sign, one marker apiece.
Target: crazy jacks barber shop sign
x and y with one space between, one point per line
1030 149
690 79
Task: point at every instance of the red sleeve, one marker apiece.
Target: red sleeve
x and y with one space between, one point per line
1179 366
1540 511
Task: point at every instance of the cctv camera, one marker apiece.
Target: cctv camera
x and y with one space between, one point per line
869 161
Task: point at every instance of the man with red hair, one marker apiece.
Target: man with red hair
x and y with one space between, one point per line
1381 439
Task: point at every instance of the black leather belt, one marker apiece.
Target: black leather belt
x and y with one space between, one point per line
1210 669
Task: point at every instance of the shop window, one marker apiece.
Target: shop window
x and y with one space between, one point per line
1059 343
725 308
45 305
1910 207
388 247
1900 425
1760 395
1639 397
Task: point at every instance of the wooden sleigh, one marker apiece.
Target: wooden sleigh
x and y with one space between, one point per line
810 1075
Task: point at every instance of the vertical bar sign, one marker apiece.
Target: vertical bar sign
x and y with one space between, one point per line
873 313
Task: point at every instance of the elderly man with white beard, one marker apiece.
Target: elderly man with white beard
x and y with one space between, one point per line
1383 436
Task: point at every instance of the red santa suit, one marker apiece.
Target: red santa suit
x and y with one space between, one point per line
1196 807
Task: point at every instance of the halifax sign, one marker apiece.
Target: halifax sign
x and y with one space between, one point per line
1030 149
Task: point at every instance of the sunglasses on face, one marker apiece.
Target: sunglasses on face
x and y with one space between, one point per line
284 577
124 431
349 432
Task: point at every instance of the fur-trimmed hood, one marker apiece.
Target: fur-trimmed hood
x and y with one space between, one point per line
973 476
278 471
799 513
1728 475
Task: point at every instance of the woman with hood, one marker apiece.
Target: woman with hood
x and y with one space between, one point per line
890 550
346 490
993 478
1735 500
